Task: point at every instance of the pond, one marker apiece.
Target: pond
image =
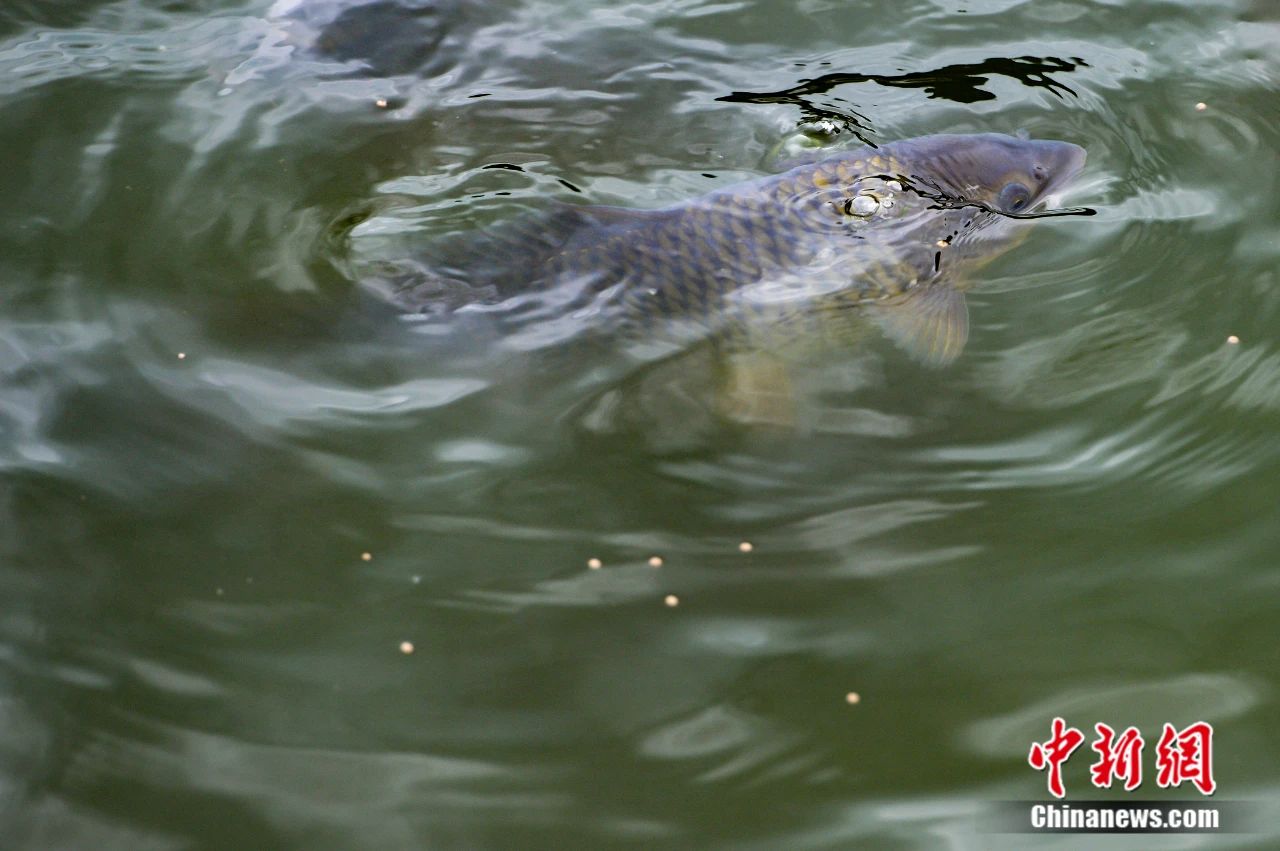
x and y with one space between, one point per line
283 565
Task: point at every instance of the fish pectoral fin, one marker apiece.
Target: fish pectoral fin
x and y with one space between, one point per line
931 324
758 391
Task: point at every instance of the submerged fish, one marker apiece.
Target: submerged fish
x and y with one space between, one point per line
890 230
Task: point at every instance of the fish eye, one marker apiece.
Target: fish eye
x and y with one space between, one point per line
1014 197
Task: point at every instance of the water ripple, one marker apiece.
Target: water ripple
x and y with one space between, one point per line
285 568
1179 700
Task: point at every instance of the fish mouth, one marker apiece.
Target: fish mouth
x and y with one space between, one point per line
1064 162
1067 163
1076 157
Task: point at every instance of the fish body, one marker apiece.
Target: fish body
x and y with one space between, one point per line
892 230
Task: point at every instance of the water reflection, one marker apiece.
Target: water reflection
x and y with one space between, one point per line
1076 517
963 83
1179 700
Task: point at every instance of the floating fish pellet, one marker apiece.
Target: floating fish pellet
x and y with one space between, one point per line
671 600
381 102
406 647
366 556
655 561
1233 340
745 547
182 355
852 698
595 563
1202 106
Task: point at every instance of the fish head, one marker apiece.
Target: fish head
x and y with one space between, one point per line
968 198
1002 173
960 202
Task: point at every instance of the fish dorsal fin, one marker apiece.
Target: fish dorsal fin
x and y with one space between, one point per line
601 215
619 215
527 241
579 222
930 323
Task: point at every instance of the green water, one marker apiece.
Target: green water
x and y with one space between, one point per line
206 421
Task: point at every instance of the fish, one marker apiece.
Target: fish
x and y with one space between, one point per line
894 232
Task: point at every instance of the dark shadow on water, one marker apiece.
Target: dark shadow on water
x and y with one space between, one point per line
962 83
389 38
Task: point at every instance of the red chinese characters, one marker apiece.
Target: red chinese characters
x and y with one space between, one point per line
1117 757
1053 753
1181 756
1186 754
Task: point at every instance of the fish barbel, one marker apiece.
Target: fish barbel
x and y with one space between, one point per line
892 230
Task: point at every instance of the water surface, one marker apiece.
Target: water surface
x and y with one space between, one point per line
233 480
